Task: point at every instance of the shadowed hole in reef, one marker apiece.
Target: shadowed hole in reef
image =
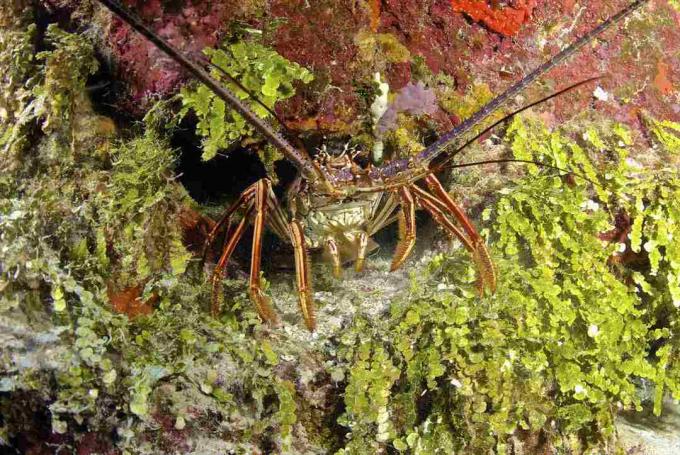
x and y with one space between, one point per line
218 181
215 184
105 92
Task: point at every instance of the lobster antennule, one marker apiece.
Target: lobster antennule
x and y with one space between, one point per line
519 161
299 158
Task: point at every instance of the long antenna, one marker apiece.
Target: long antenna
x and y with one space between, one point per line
446 158
299 158
448 139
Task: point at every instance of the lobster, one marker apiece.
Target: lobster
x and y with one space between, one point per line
336 204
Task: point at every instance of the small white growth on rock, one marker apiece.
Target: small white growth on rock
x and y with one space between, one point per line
180 423
378 108
593 331
601 94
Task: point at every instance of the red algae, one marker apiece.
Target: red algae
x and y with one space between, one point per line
148 72
128 301
506 21
662 80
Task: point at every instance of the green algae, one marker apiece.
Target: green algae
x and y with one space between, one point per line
261 71
381 48
665 133
554 348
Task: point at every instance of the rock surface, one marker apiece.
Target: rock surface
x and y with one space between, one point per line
345 43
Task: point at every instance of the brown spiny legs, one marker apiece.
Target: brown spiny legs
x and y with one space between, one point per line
438 211
443 209
259 299
243 201
439 204
259 199
253 200
230 243
302 276
407 228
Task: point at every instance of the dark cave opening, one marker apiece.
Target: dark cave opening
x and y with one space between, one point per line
216 183
218 180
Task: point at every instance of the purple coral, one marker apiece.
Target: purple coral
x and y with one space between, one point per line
414 99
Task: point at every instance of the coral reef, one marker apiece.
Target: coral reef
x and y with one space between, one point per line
149 73
107 344
345 44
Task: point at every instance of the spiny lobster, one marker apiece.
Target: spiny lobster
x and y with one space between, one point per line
336 204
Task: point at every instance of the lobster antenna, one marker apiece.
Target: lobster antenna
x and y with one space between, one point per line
440 146
298 157
537 163
447 158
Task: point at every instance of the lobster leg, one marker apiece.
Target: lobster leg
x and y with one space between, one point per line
230 244
438 212
332 247
480 253
362 241
295 232
382 215
259 299
407 228
278 221
302 274
440 193
242 201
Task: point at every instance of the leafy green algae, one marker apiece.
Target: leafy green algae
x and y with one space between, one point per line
569 334
258 69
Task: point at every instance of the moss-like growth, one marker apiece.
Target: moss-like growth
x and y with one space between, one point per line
381 49
76 235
